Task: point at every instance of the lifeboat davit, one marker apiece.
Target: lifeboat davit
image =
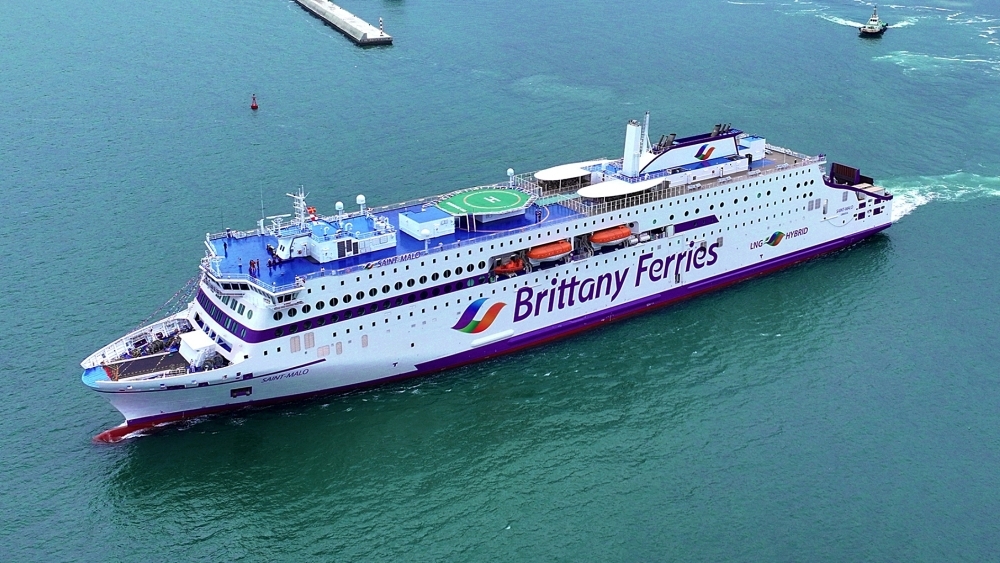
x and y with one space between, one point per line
549 252
608 237
514 266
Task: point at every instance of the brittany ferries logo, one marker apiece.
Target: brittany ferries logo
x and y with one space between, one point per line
468 323
702 154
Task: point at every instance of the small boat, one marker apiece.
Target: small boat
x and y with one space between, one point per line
513 266
610 237
875 27
550 252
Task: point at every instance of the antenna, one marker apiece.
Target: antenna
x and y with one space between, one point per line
262 202
645 134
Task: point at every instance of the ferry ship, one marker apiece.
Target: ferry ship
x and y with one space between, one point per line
311 302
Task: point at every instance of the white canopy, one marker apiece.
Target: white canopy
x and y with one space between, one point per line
565 171
616 187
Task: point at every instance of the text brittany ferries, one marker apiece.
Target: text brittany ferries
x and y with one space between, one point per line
340 298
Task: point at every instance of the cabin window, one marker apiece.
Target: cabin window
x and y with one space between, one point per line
347 298
306 309
292 312
320 305
333 301
277 315
360 295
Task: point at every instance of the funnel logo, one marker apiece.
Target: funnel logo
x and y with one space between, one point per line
702 154
467 323
775 239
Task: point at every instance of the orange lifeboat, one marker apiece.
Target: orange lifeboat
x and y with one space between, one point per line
607 237
512 267
549 252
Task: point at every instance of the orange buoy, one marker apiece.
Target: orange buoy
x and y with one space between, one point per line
253 102
613 235
550 251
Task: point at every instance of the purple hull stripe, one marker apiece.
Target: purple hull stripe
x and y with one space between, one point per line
695 224
547 334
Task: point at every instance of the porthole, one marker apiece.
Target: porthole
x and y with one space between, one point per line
292 312
671 217
320 321
435 292
470 283
336 317
307 325
372 292
398 286
320 305
361 311
768 192
334 301
347 298
697 210
347 314
447 273
277 315
385 289
410 283
292 329
278 332
423 295
481 265
423 279
744 198
249 314
359 295
306 309
735 201
435 276
758 195
686 213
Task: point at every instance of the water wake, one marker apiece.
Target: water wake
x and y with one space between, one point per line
911 193
840 21
923 62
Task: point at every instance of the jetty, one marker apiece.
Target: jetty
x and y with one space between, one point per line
356 29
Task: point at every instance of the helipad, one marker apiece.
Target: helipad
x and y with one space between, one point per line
485 201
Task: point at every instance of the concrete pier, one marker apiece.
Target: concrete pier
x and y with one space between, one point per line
355 28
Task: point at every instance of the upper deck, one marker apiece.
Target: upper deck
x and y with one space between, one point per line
234 250
557 195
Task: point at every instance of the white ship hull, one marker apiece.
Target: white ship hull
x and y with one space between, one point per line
761 223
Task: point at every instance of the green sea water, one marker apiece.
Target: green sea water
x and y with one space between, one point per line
847 409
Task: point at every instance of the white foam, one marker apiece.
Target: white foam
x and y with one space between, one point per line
905 23
840 21
923 61
911 193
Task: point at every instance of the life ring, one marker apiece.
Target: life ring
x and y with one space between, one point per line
348 226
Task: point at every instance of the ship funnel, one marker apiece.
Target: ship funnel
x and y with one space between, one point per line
715 132
633 148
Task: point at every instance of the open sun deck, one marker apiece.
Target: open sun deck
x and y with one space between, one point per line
528 202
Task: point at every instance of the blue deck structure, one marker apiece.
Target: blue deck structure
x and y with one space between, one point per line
236 252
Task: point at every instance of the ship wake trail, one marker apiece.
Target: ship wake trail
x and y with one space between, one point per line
840 21
911 193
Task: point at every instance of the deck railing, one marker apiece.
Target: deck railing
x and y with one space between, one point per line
527 183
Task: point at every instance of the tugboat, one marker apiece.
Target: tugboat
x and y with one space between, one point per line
875 27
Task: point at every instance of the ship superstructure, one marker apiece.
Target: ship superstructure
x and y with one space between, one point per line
312 303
